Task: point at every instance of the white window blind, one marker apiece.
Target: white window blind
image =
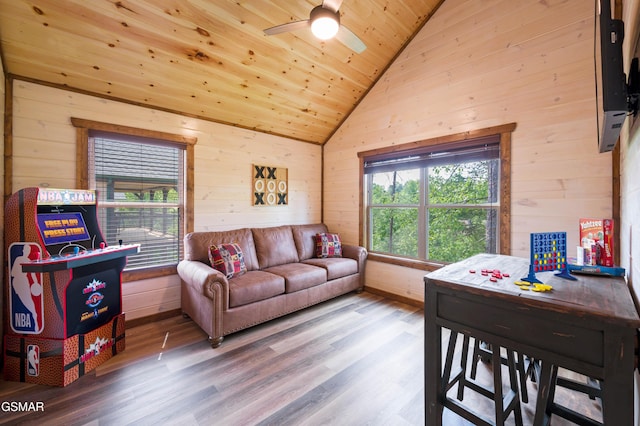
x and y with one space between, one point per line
140 184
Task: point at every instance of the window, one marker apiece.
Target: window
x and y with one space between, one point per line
436 201
140 195
141 179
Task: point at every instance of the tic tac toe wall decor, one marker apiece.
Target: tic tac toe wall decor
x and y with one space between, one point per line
270 186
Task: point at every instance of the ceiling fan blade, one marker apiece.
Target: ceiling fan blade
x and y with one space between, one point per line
332 5
349 39
290 26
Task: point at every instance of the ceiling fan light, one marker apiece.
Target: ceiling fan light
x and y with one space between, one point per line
324 27
324 22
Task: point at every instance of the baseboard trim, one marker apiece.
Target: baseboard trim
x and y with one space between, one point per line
396 297
152 318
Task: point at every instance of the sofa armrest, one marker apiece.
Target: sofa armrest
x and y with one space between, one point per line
359 254
205 279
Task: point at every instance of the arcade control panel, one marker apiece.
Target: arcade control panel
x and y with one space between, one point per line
81 258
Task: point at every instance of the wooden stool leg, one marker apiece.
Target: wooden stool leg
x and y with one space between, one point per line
552 388
479 353
504 403
547 403
513 397
497 386
448 363
475 358
463 366
522 374
514 373
545 384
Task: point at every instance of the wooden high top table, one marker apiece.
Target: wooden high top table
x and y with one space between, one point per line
587 326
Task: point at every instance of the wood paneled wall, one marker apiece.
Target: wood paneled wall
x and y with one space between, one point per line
476 65
2 255
629 247
629 159
44 144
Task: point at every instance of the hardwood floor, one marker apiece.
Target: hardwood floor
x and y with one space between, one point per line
355 360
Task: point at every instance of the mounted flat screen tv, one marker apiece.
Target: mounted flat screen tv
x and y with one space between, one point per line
611 84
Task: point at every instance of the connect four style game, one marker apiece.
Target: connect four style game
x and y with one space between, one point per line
548 254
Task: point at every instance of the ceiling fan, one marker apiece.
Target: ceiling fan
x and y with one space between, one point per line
324 21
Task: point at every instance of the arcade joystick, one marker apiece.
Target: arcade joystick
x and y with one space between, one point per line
102 245
76 250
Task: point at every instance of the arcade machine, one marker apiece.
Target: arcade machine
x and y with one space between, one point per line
63 298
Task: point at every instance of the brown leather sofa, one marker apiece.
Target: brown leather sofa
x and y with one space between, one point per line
283 275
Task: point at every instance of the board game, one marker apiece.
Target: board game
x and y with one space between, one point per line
548 254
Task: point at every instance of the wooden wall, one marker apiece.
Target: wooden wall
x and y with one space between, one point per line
2 110
630 175
629 160
472 66
481 64
44 155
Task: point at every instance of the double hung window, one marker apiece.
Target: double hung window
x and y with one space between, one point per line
435 202
144 182
140 195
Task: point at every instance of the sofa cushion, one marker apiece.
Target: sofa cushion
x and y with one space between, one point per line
337 267
253 287
304 237
328 245
228 259
197 244
274 246
298 276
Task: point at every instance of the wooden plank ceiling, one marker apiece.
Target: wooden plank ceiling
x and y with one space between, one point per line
210 58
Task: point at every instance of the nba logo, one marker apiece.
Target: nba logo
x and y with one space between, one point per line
33 360
26 304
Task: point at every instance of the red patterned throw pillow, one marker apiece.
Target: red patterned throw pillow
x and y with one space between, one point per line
228 259
328 245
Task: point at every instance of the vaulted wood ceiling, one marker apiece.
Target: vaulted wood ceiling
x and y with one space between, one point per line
210 58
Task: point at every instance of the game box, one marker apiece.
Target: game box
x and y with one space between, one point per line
596 239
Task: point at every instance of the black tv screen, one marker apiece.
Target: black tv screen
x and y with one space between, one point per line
611 85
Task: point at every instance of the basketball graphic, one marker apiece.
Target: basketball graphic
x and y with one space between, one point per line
26 304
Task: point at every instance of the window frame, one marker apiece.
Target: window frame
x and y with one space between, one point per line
469 138
83 129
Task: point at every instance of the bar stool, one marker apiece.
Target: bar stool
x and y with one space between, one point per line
545 405
504 403
526 367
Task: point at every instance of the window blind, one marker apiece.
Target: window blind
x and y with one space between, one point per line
437 155
140 195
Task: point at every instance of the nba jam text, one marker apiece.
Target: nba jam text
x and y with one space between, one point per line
17 406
